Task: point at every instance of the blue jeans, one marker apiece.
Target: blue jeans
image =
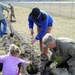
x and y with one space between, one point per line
3 28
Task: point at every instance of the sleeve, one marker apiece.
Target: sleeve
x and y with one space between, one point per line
24 62
2 58
5 7
30 22
71 51
43 29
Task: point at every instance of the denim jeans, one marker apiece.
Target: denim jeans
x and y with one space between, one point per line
3 28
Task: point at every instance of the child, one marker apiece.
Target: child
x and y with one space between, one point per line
11 62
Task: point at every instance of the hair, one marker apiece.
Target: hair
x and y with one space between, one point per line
47 39
35 13
13 49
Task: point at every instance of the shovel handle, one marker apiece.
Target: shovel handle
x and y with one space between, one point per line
32 38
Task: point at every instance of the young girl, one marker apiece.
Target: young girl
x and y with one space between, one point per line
11 61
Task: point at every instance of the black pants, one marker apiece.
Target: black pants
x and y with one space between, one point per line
1 66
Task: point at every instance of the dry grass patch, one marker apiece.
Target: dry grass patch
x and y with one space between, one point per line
62 27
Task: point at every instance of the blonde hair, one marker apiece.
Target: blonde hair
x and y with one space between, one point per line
13 49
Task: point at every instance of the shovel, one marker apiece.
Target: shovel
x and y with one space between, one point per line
10 27
31 68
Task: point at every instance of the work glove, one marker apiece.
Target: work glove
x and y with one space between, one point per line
63 65
47 64
53 65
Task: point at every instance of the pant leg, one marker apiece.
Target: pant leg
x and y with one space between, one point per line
10 17
19 67
40 41
4 25
1 66
0 30
13 14
45 51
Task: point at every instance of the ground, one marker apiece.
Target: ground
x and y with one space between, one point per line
62 27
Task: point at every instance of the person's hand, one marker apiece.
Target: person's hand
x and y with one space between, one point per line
31 31
48 64
6 17
33 41
54 64
30 62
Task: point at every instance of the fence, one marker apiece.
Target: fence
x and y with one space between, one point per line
60 8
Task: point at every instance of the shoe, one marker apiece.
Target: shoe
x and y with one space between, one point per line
12 20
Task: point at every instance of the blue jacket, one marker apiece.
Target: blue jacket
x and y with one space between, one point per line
44 21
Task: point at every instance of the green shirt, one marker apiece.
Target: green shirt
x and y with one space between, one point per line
65 49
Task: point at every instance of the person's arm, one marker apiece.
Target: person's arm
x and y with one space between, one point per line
71 60
2 57
43 29
25 62
71 51
30 24
4 7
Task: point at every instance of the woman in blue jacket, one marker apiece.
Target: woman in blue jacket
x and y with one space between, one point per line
44 24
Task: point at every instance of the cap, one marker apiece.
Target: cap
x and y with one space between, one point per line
47 39
35 13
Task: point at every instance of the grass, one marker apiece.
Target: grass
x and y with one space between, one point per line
62 27
57 9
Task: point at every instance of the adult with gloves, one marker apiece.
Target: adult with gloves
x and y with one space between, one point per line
63 52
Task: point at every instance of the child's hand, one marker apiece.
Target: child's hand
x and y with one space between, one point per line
30 62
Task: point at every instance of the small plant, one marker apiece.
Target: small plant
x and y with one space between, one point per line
17 43
58 59
32 69
15 37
